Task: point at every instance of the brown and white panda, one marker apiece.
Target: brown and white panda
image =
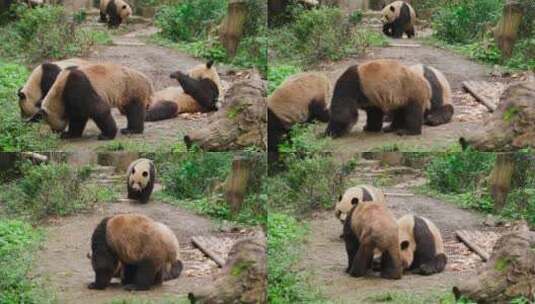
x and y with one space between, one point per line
364 193
370 229
141 175
398 17
117 11
441 109
378 87
39 83
89 92
301 98
422 248
146 251
201 89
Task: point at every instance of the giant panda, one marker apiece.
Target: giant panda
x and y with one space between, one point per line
364 193
421 245
398 18
39 83
379 86
118 12
140 175
371 229
201 88
147 252
89 92
300 98
441 109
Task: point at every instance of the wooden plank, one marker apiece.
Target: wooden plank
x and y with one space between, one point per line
399 194
474 88
203 243
464 236
408 45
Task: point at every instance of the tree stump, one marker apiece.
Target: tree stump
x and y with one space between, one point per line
243 278
506 31
500 179
236 185
509 273
511 126
232 27
241 122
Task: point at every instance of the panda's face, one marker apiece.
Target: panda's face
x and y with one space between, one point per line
407 248
125 11
390 13
29 103
345 202
140 176
204 71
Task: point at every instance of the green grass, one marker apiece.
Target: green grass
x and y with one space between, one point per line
18 241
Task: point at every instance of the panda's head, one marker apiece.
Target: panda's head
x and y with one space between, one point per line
123 9
407 248
391 12
140 174
29 100
347 201
206 71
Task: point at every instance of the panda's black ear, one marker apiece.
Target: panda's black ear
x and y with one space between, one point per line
404 245
37 116
355 201
209 64
340 197
392 8
21 94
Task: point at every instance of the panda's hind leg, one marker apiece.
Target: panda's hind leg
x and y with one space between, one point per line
76 127
398 121
135 114
391 265
146 275
374 122
129 274
105 122
362 260
410 32
413 119
436 265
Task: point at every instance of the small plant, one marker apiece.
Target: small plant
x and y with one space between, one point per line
278 73
356 17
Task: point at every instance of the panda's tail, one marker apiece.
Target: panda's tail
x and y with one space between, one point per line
161 110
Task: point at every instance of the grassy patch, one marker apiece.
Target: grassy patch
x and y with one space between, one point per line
18 240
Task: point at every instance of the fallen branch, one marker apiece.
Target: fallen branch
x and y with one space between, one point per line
399 194
200 243
40 158
471 87
462 235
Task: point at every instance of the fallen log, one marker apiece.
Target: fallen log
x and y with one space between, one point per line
473 87
462 235
203 244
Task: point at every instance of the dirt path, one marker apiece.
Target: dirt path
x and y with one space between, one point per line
468 113
157 63
326 256
63 263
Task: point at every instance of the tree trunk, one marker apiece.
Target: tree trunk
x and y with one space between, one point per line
500 179
237 183
509 274
232 27
506 31
241 122
243 279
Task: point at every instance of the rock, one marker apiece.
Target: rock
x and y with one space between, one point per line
510 272
512 126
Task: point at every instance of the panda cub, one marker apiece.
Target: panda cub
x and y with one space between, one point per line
39 83
201 88
422 248
89 92
398 18
147 252
118 12
441 109
370 229
364 193
141 175
300 98
378 87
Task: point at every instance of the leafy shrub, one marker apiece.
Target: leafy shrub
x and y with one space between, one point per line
52 189
304 141
356 17
18 241
189 19
15 135
461 21
278 73
45 32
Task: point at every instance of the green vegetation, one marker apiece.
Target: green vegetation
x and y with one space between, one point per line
463 178
317 35
17 242
196 181
465 26
191 26
51 190
15 135
46 33
278 73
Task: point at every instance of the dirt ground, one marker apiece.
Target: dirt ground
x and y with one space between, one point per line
62 262
326 257
157 63
468 115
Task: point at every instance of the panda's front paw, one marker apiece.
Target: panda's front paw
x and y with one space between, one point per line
104 137
93 285
402 132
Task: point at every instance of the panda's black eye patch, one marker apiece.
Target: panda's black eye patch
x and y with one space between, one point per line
145 173
340 197
21 94
124 6
354 201
392 8
133 170
404 245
